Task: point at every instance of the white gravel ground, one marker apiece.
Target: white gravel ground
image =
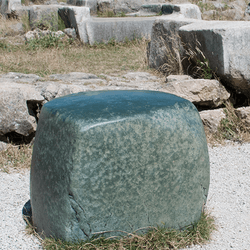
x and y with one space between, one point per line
228 200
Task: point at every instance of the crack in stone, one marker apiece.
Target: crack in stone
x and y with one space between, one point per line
78 210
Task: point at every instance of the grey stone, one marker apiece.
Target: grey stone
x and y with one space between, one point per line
220 6
44 16
73 77
4 7
104 5
202 92
23 11
19 78
240 3
92 4
178 78
17 28
225 46
128 6
209 15
51 2
76 17
50 90
14 4
16 108
235 14
212 119
3 146
191 11
104 29
165 38
187 10
70 32
92 30
117 160
37 34
140 76
244 114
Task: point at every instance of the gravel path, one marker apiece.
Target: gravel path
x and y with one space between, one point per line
228 200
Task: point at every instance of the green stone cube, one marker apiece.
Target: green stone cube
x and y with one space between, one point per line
117 160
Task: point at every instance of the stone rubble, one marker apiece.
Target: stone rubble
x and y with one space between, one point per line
23 95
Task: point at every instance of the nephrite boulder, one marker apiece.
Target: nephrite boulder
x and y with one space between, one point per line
117 160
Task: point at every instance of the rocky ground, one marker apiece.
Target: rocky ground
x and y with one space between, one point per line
30 92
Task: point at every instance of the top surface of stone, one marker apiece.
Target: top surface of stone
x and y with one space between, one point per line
117 19
208 25
177 17
102 105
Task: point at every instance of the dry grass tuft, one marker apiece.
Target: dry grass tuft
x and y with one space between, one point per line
198 63
192 58
15 158
6 26
172 55
232 127
155 238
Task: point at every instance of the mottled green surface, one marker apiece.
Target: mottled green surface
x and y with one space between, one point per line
117 160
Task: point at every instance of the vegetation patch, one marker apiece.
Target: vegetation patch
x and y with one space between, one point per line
110 13
155 238
52 55
232 127
15 158
49 41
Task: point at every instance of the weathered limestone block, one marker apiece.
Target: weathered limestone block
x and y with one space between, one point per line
212 119
225 45
3 146
120 29
165 41
202 92
186 10
44 15
76 17
104 5
117 160
92 4
19 78
16 108
128 6
14 4
3 6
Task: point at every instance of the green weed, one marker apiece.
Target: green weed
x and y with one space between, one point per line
204 69
48 41
110 13
61 25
